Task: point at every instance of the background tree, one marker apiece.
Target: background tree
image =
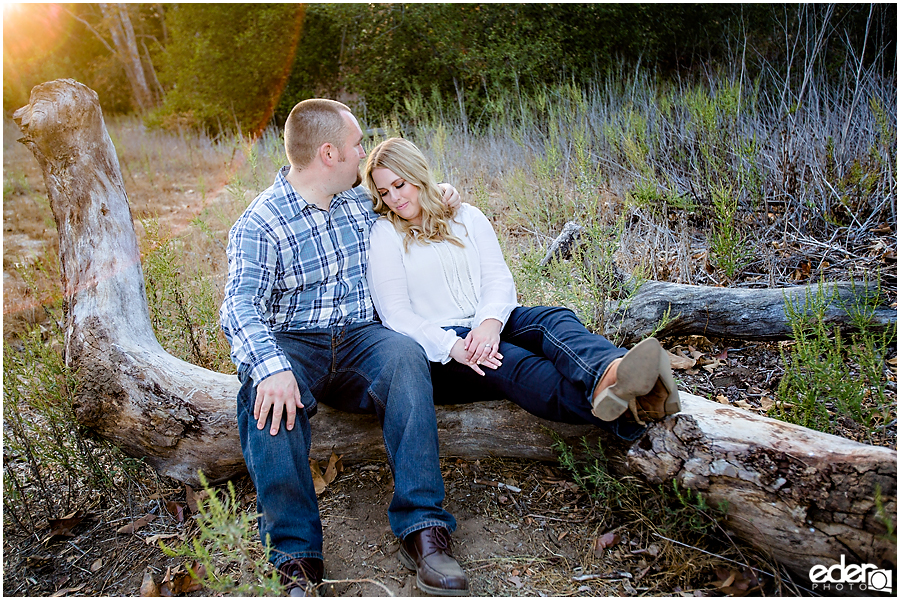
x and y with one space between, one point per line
105 46
225 64
238 65
119 25
377 54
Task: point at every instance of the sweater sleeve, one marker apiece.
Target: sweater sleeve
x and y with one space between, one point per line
387 279
498 288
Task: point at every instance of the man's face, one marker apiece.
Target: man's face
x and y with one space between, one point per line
351 153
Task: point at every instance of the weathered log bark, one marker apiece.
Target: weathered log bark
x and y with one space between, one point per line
132 392
563 244
733 313
804 496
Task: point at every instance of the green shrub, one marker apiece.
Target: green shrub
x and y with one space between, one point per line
830 375
183 300
50 464
676 512
591 472
226 553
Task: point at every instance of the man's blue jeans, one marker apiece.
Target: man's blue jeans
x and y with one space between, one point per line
360 368
551 365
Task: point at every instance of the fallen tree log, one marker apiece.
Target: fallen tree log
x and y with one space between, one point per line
805 497
748 314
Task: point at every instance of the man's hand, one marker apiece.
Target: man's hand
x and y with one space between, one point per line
451 196
278 392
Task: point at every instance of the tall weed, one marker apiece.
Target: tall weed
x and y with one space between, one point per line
51 466
678 512
183 300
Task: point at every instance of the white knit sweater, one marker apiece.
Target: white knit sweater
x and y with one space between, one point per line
432 286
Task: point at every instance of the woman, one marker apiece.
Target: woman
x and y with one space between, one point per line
438 275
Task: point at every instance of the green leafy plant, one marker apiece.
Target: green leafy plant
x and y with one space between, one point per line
678 511
727 241
226 557
665 320
829 374
590 284
590 471
885 517
686 510
182 299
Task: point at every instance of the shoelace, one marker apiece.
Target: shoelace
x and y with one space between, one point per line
440 540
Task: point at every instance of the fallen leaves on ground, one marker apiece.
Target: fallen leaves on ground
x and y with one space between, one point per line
323 480
135 525
174 583
607 540
60 528
67 591
148 586
191 498
720 360
180 581
154 539
681 362
176 509
736 583
514 579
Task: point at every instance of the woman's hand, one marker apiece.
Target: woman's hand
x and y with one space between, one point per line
451 196
483 342
459 354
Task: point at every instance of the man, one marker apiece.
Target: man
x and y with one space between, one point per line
301 324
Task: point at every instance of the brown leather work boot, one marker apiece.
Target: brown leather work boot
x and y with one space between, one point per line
300 576
427 552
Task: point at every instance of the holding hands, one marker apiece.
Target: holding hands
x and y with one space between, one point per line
480 347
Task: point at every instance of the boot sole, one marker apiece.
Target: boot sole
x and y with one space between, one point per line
407 561
635 376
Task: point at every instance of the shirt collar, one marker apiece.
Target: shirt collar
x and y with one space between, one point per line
295 203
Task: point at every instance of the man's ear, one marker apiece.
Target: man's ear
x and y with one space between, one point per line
328 154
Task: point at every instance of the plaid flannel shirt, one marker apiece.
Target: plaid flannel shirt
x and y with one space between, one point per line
293 266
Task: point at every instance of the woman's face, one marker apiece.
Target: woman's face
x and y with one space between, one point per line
400 196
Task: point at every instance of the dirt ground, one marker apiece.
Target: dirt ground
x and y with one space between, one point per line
541 541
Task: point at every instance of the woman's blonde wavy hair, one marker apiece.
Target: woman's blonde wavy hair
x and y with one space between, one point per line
407 161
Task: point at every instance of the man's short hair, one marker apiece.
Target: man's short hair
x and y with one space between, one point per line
312 123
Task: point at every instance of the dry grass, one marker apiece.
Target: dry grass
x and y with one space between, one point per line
187 186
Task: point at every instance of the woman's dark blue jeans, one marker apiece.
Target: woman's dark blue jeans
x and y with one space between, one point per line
551 365
360 368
